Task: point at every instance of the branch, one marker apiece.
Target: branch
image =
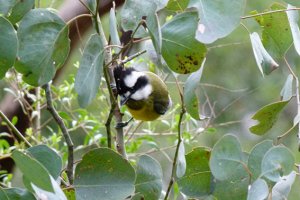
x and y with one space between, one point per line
174 165
15 130
269 12
63 128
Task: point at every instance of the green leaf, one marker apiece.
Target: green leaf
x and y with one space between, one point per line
272 24
277 162
70 193
103 174
18 194
6 5
33 170
43 46
90 70
149 178
58 194
177 5
259 190
256 156
181 51
8 46
293 17
19 10
3 195
226 155
92 4
283 187
218 18
181 162
190 98
267 116
264 61
48 158
236 186
154 29
287 91
134 11
113 30
196 182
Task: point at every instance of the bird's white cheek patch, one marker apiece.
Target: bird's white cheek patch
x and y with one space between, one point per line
142 93
130 80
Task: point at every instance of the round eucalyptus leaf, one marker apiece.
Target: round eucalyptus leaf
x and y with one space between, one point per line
277 162
226 157
256 156
197 180
103 175
149 178
259 190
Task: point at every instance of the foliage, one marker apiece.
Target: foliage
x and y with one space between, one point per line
164 159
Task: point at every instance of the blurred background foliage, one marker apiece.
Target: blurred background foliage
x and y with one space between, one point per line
231 91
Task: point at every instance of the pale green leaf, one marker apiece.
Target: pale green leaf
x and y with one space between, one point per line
256 156
58 194
134 11
218 18
181 162
225 157
293 17
155 32
277 162
259 190
190 98
89 75
113 30
283 187
287 91
264 61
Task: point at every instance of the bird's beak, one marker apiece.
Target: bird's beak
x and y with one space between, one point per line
124 100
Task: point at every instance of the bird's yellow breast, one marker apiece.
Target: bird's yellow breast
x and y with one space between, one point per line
145 113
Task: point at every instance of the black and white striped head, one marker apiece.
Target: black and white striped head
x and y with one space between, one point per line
131 84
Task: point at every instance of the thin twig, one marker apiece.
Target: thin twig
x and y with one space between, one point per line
174 165
15 130
64 131
133 56
269 12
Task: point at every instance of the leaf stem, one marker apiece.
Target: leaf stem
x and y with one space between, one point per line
15 130
297 96
77 17
174 164
62 126
269 12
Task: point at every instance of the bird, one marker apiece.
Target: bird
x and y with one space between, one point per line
144 93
